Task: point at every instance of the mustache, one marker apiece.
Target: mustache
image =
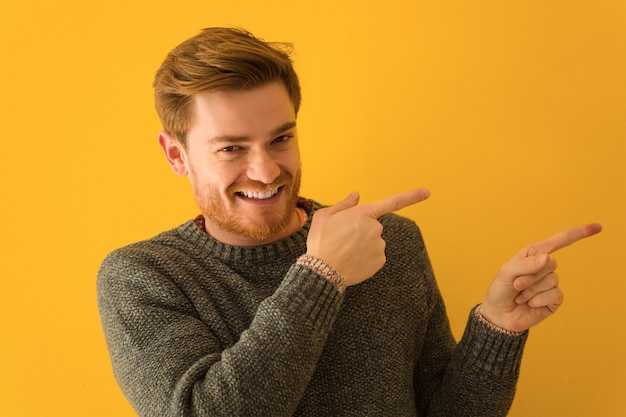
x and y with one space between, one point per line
257 186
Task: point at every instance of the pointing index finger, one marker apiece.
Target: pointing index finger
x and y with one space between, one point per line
564 238
398 201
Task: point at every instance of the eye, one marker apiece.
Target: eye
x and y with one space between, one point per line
231 148
282 139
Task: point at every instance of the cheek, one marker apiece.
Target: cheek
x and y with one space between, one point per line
291 163
217 179
200 177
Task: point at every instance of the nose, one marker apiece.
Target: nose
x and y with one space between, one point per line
262 167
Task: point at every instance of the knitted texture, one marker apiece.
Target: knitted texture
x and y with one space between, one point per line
195 327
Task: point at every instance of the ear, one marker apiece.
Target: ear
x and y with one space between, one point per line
174 153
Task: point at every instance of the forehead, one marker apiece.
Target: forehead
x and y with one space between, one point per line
237 111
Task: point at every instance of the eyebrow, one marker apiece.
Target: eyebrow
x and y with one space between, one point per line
236 139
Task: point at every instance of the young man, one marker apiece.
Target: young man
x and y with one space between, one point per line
270 304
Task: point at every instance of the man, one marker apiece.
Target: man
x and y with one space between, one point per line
270 304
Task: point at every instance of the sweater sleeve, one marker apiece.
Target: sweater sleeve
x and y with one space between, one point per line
482 375
476 377
481 372
168 363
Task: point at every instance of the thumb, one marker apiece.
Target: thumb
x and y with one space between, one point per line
529 265
350 201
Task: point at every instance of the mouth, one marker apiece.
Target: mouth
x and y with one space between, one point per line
259 195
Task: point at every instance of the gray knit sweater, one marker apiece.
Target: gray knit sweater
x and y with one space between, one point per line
195 327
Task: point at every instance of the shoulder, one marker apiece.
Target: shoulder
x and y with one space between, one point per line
161 243
144 257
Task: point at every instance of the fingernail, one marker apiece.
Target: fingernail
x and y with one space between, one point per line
541 259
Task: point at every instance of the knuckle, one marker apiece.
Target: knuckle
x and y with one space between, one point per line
530 292
520 284
532 250
553 280
553 263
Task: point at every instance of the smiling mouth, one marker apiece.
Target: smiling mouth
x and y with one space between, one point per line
258 195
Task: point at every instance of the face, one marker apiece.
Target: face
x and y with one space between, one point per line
243 163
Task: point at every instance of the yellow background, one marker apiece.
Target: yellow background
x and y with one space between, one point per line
511 112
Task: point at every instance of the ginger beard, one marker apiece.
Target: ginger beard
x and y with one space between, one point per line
270 220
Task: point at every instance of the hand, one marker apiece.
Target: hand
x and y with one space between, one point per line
525 291
348 237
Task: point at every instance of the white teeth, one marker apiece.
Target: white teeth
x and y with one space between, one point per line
259 195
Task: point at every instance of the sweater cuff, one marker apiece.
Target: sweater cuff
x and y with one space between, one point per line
495 352
310 295
323 269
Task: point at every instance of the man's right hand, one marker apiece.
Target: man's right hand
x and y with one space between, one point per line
348 236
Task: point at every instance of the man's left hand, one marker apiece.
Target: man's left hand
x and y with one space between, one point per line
525 291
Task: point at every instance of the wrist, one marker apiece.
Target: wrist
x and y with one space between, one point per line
322 268
489 323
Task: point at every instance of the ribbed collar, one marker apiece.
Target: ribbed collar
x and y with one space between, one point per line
290 247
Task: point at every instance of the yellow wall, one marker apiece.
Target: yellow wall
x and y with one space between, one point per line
511 112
